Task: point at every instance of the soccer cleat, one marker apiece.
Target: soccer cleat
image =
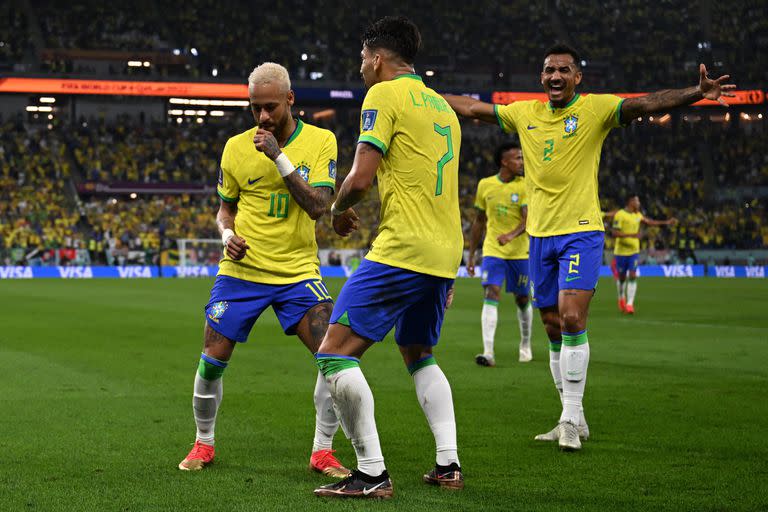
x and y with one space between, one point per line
622 305
484 360
359 485
526 354
200 456
323 461
554 434
568 437
449 477
629 309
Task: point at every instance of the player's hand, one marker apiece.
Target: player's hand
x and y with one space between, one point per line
471 266
505 238
672 221
236 247
714 89
449 298
266 143
346 223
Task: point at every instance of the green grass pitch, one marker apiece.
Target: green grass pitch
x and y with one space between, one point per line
96 406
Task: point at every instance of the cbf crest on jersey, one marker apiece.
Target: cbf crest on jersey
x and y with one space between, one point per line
571 123
369 119
515 198
303 171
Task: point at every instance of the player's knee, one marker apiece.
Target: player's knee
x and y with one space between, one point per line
522 301
217 345
632 276
492 292
572 321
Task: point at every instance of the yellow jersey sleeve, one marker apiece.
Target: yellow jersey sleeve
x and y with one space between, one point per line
323 173
506 115
378 116
480 202
227 186
607 108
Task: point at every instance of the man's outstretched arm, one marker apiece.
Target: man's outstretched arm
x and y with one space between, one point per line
667 99
471 108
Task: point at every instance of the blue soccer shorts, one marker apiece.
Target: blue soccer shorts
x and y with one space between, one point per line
378 297
514 272
564 262
626 263
236 304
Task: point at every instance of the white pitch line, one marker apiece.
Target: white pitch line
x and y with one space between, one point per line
692 324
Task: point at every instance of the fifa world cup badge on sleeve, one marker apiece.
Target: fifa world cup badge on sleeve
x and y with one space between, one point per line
217 310
221 176
369 119
332 169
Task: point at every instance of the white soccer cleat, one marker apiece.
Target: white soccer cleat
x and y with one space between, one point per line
554 434
526 354
568 440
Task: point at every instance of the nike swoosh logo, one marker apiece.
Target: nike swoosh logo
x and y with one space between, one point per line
369 490
531 127
572 278
251 182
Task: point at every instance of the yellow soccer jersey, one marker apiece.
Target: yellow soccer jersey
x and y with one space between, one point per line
419 136
561 149
503 204
281 235
629 223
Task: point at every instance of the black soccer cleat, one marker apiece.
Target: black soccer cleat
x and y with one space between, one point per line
449 477
359 485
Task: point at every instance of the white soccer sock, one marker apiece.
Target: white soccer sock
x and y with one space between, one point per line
554 368
489 317
620 288
436 400
326 422
631 291
573 367
206 399
354 402
525 319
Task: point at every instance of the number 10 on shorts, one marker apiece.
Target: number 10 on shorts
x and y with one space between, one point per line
319 289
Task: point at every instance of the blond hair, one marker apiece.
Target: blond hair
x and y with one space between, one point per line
269 73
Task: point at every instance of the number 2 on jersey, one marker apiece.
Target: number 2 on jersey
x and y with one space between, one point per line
444 131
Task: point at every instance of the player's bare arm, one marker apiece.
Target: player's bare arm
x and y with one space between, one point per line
225 219
620 234
475 236
709 89
471 108
651 222
355 186
519 229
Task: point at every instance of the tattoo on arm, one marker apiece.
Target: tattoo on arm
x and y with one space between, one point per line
632 108
313 200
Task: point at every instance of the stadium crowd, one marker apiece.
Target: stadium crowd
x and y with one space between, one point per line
620 42
41 213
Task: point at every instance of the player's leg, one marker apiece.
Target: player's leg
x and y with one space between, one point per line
517 278
492 278
230 314
632 285
311 329
621 281
416 332
366 309
580 256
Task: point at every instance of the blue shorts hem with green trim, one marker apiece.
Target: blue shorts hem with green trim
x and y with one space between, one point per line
378 297
564 262
236 304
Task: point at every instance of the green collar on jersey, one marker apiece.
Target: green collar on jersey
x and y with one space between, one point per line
296 132
550 107
409 75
